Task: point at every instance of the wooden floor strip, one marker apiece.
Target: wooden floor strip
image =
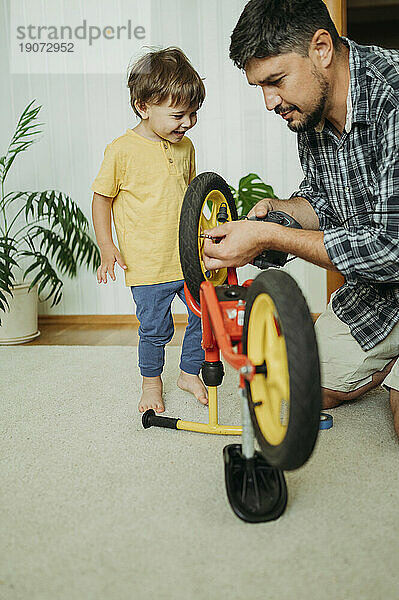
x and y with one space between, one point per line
97 330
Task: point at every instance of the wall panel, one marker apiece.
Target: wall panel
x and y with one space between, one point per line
83 112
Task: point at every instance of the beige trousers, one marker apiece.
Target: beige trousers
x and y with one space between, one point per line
344 365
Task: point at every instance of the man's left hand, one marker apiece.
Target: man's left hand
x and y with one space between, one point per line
235 243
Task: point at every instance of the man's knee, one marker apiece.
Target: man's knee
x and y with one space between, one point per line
333 398
394 400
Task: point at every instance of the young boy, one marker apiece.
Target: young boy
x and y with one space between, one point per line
143 179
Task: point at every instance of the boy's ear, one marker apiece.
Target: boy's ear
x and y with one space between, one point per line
141 108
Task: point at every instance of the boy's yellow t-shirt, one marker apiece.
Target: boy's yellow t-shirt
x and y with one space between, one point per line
147 181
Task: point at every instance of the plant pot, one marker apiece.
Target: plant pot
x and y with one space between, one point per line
19 324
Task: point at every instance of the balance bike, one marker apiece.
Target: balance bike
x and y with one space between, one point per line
264 330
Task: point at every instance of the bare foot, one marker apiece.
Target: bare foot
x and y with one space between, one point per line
152 395
193 384
394 401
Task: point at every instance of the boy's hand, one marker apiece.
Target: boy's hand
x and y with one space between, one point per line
109 256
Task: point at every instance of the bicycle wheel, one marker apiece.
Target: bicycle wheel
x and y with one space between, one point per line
284 396
207 203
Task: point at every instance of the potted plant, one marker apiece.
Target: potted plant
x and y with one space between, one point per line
43 235
250 190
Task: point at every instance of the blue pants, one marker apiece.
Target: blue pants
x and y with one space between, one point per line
156 329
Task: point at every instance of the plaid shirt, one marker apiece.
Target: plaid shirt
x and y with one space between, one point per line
349 177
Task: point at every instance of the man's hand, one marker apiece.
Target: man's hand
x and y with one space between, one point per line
109 256
261 208
299 208
235 243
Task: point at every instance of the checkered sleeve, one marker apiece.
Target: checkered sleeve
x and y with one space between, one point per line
371 252
310 188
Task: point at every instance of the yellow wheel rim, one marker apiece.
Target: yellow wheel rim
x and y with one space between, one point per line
208 220
270 393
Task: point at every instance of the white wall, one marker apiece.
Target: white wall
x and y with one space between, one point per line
83 112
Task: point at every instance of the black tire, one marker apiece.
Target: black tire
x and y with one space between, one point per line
190 216
292 321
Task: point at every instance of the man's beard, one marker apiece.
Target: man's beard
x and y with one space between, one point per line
311 120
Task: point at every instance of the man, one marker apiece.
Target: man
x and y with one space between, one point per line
343 102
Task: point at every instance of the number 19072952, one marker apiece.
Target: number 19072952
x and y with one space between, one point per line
47 47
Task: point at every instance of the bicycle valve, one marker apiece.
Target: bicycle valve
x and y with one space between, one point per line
215 239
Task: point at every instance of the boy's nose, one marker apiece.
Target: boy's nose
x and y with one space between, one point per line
271 99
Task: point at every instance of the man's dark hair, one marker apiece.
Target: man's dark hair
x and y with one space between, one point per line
271 27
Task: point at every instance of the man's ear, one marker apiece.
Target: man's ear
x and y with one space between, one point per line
141 108
321 49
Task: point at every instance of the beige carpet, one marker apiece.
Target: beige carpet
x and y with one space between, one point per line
95 507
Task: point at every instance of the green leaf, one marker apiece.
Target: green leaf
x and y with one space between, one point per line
41 203
59 248
4 304
23 137
251 189
29 205
54 246
32 267
8 250
43 284
8 258
46 275
7 280
14 196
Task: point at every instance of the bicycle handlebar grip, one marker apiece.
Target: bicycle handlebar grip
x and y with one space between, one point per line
274 258
150 419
